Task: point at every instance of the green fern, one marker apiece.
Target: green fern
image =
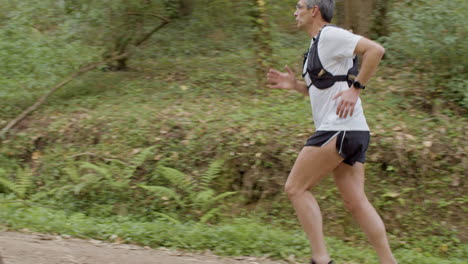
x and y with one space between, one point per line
211 173
91 179
203 198
7 184
101 170
80 181
177 178
138 160
40 196
73 173
78 187
210 214
207 199
167 217
222 196
162 191
23 182
195 197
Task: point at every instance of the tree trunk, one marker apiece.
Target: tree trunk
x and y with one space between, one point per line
380 22
262 40
355 15
185 7
122 43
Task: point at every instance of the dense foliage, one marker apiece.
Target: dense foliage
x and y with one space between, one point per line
39 46
430 40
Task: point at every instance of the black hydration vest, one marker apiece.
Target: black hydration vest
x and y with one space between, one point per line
321 78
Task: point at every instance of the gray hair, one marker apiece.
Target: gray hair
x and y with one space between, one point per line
326 8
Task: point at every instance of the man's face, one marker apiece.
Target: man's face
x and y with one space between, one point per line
303 14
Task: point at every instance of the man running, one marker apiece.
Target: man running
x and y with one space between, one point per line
342 136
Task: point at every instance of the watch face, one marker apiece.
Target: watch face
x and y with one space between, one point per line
358 85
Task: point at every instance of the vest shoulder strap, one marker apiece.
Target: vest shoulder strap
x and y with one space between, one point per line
317 74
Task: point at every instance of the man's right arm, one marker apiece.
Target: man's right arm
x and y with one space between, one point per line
301 87
286 81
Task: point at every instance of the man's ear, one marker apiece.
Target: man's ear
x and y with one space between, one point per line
315 11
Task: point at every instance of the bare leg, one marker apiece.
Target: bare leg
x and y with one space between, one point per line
312 164
350 183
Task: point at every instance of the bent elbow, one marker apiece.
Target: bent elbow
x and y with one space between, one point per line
380 51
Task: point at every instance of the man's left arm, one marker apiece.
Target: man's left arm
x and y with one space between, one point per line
371 53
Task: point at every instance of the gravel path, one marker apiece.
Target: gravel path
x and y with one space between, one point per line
22 248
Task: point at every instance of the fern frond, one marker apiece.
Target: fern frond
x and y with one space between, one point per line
118 162
222 196
176 177
210 214
211 173
211 201
205 195
101 170
78 187
120 185
91 179
138 160
203 198
9 185
23 181
162 191
73 173
167 217
40 196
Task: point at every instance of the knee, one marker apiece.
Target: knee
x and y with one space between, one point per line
292 190
356 206
288 189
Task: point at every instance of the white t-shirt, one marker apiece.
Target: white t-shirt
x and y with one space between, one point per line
336 52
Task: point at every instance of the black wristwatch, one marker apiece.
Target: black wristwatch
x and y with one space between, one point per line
358 85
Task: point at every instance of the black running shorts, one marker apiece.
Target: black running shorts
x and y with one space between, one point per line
351 145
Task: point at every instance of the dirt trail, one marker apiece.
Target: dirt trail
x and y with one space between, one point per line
21 248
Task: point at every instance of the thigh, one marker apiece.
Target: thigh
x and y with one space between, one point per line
312 164
350 181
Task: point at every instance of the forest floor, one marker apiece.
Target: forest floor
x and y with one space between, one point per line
27 248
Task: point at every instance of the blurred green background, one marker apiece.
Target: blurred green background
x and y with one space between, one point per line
180 143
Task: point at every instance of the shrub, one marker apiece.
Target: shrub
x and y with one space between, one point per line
430 37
